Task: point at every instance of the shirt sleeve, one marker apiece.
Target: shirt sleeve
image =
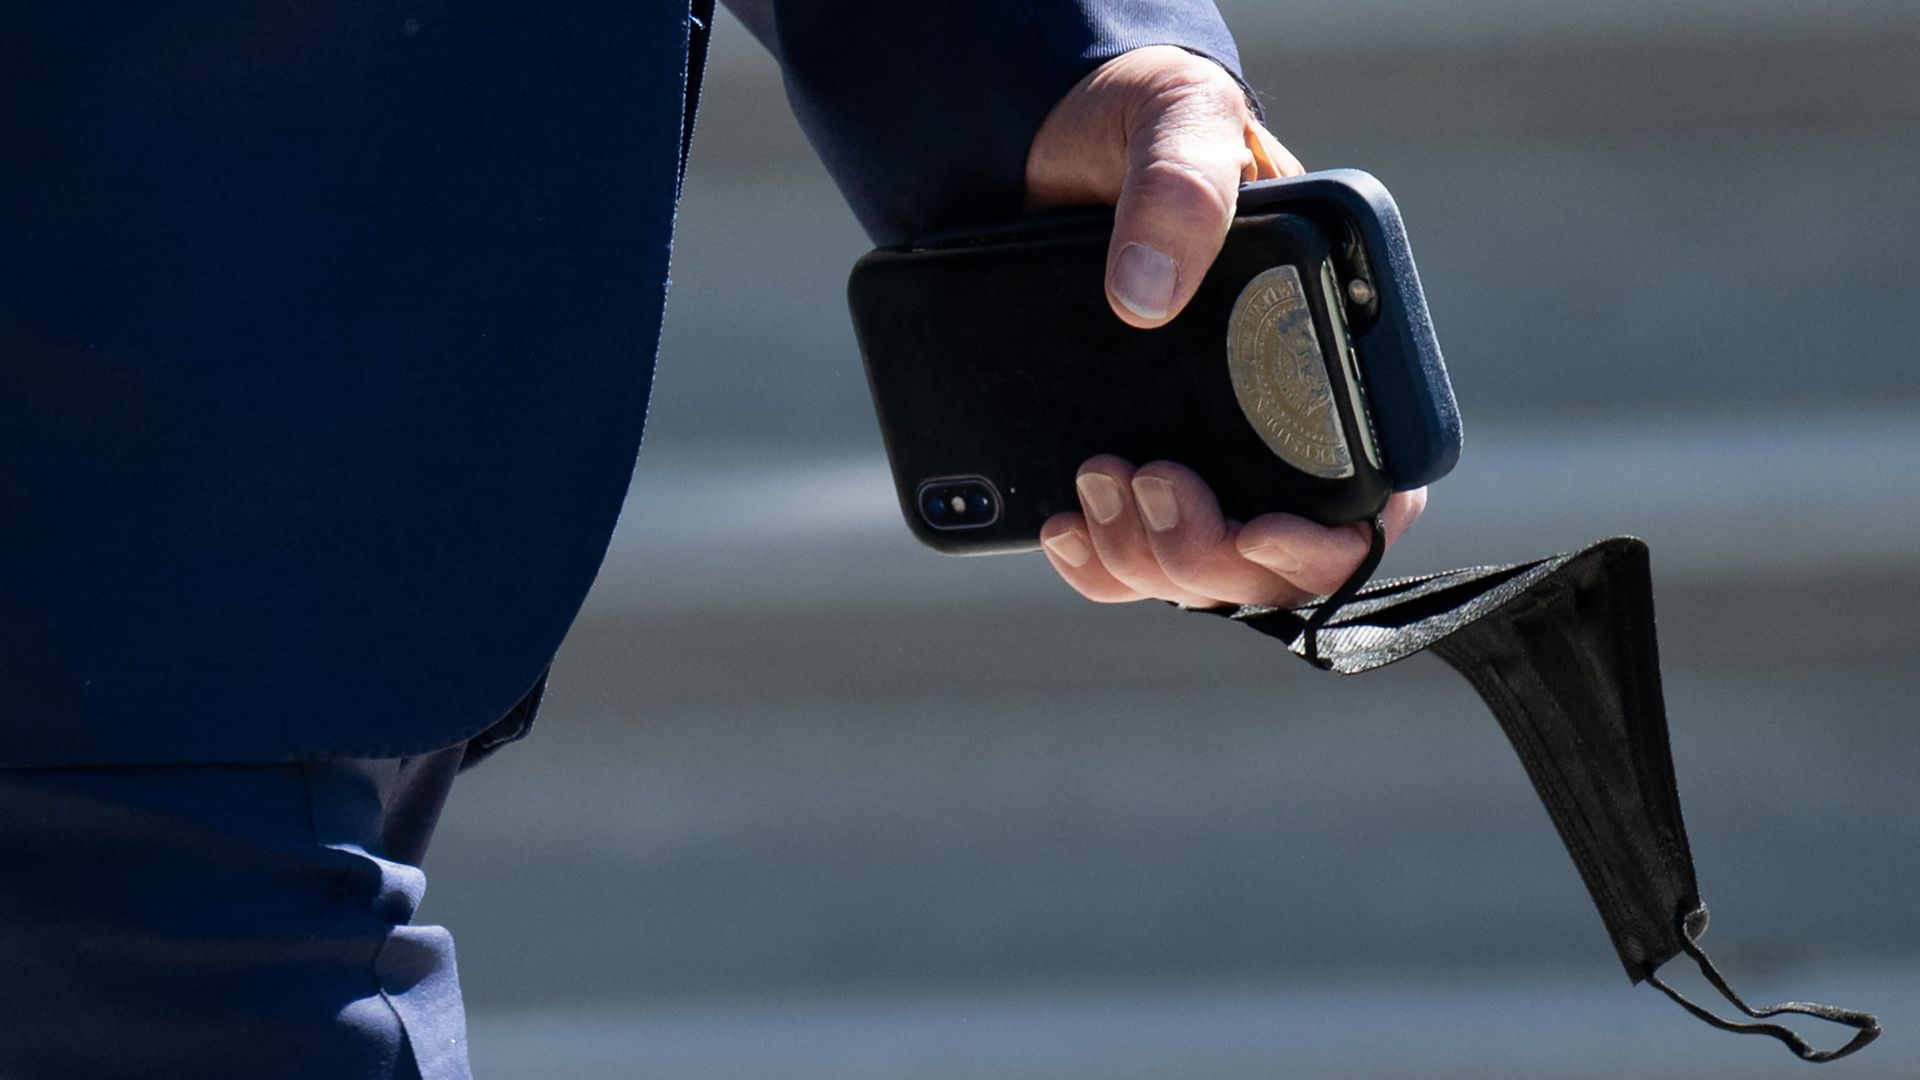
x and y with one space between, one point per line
923 110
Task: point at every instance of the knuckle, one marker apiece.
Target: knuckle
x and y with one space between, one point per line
1114 550
1098 591
1190 81
1197 584
1192 566
1176 569
1141 574
1139 579
1170 180
1325 577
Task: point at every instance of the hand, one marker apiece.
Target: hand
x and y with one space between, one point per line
1166 138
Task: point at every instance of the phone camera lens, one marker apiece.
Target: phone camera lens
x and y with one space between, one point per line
959 503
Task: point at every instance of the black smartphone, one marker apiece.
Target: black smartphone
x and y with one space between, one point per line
997 367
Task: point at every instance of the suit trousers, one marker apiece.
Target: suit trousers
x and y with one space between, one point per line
225 921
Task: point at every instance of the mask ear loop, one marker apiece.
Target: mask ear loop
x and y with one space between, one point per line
1867 1023
1325 609
1304 632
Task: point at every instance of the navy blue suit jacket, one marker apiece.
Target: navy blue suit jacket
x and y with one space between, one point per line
326 330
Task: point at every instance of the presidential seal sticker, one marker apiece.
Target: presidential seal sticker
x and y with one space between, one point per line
1280 376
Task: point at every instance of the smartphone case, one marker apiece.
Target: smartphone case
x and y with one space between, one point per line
1414 412
994 359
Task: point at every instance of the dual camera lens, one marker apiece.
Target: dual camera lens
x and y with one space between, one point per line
959 503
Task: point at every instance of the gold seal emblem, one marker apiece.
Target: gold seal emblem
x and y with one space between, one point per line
1280 375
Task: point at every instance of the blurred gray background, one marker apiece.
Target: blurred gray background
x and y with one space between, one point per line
808 801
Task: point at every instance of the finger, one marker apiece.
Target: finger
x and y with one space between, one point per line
1315 558
1320 558
1186 154
1119 538
1068 547
1271 160
1195 543
1402 510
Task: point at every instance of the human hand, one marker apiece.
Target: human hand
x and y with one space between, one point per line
1166 138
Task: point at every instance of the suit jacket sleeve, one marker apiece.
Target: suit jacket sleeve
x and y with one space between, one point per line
923 111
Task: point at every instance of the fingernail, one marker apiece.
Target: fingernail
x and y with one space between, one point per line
1157 502
1100 494
1143 280
1070 548
1276 557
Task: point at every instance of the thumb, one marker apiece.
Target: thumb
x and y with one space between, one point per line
1189 145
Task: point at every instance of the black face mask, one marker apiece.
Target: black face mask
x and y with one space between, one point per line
1562 650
